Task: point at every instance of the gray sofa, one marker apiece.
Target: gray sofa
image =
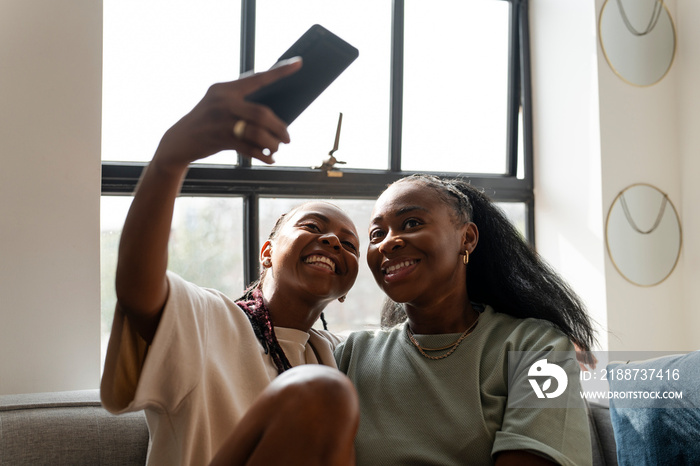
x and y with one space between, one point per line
72 428
68 428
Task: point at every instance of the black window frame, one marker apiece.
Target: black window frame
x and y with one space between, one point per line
253 182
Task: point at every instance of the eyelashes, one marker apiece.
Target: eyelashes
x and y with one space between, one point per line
311 226
349 245
408 224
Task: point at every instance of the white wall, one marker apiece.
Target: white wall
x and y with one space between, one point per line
592 132
640 143
569 225
595 135
50 120
687 14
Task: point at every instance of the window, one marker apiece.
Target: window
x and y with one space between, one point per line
440 86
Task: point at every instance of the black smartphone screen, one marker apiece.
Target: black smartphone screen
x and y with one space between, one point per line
325 56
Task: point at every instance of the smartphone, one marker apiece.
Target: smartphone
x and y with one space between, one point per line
325 56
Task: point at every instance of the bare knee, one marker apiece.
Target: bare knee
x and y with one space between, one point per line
321 391
317 413
308 416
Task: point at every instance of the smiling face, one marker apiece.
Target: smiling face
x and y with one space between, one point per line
314 253
417 245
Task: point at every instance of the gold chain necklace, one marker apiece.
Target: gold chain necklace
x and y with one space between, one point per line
452 347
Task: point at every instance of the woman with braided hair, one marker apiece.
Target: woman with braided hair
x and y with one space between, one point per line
196 361
470 293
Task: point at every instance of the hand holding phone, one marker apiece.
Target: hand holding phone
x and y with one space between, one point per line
325 56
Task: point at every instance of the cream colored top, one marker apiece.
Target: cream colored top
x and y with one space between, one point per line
200 375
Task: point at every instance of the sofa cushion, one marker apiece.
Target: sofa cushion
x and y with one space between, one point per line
68 428
656 430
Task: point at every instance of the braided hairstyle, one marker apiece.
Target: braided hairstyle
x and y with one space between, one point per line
254 307
504 270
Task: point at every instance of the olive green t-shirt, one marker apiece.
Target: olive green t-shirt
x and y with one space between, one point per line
418 411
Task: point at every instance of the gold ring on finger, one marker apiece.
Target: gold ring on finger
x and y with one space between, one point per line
239 129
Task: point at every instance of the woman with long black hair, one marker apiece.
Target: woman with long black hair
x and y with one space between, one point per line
438 388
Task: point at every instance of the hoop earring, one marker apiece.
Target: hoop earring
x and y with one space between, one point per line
465 259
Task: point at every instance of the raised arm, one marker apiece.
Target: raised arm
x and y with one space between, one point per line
141 284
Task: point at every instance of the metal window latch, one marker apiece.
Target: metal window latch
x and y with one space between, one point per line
328 164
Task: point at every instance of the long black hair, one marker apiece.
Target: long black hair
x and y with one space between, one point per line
504 270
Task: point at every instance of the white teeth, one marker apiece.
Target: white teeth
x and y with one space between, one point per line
322 260
396 267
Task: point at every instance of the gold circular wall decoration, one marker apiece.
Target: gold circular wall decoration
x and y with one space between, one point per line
638 39
643 234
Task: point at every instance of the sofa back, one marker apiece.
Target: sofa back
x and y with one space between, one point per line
68 428
603 444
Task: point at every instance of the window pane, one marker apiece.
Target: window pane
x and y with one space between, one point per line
362 307
521 146
517 214
455 86
361 93
160 57
206 246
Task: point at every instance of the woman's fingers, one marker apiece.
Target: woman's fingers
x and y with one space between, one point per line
261 116
253 82
254 141
254 151
223 120
258 114
255 125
